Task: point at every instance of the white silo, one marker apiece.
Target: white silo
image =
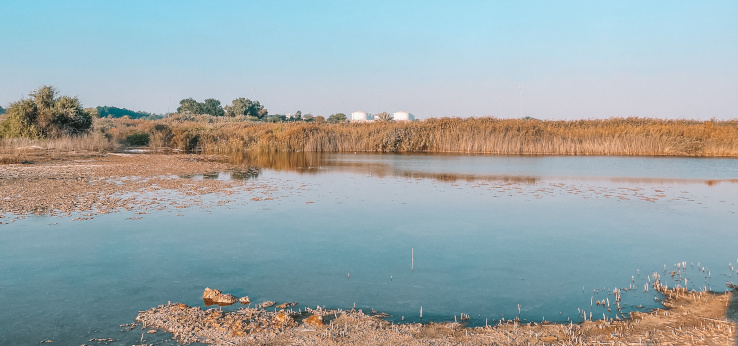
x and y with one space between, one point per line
403 116
361 116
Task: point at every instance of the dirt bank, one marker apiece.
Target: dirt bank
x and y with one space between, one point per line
103 183
688 318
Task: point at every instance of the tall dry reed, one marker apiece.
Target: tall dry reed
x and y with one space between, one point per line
88 142
615 136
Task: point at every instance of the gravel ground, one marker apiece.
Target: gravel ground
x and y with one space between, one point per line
90 185
688 318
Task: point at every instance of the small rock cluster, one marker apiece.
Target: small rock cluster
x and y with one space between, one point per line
212 297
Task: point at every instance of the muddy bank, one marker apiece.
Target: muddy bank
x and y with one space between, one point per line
106 183
688 318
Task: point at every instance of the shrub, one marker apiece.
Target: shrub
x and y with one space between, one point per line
138 139
44 115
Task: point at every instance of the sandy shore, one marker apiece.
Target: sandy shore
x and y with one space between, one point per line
688 318
98 184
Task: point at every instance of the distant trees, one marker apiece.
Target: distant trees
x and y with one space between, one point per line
239 107
2 110
45 115
245 107
115 112
190 106
212 107
251 110
337 118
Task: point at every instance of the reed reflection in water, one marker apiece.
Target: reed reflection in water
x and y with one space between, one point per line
414 166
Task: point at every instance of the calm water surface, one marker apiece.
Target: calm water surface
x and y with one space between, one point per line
486 234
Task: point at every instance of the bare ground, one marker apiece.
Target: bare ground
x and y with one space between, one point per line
91 183
688 318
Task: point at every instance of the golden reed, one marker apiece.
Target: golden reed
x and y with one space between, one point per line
614 136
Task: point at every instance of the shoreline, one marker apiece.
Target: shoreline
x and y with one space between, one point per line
88 185
688 317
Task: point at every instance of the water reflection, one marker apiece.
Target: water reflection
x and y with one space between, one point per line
470 168
242 174
211 175
316 163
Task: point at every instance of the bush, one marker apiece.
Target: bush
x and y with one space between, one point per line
44 115
138 139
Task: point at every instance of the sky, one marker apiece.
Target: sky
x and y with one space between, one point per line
544 59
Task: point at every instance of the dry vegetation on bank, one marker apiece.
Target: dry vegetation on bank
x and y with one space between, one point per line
615 136
690 318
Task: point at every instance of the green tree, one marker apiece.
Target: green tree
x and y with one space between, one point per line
212 107
246 107
2 110
384 116
308 117
190 106
45 115
115 112
337 118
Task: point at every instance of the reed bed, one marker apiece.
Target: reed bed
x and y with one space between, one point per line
88 142
615 136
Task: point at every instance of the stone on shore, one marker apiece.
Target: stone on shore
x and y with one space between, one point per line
213 296
283 319
286 305
315 320
226 299
211 293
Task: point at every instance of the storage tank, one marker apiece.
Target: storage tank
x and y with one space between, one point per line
403 116
361 116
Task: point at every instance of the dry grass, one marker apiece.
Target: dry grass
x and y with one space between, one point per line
89 142
615 136
23 150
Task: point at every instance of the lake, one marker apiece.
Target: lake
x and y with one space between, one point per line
487 236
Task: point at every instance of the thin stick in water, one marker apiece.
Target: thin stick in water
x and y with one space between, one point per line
412 258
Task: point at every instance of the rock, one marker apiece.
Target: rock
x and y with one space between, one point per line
244 300
226 299
211 294
267 304
315 320
282 319
286 305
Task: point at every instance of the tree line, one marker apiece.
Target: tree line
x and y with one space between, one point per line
46 115
239 107
251 110
115 112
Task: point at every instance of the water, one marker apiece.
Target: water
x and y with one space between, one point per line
486 234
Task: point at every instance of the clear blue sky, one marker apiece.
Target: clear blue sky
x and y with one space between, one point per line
574 59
